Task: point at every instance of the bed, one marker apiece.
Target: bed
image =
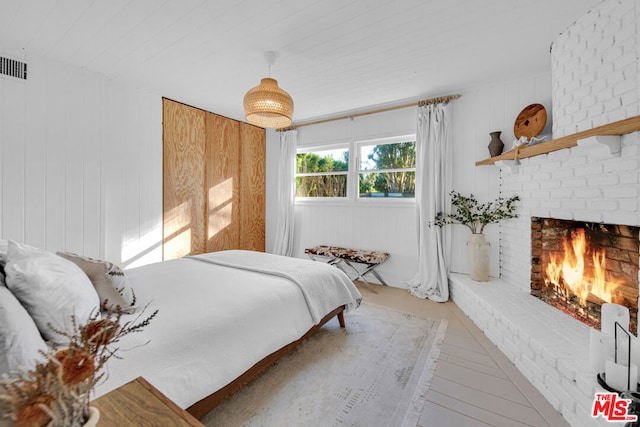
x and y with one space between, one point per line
223 318
220 315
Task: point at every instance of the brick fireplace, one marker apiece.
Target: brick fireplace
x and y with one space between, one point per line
576 266
595 80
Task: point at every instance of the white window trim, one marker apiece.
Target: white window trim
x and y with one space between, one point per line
353 175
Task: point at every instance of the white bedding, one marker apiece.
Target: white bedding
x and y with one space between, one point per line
215 322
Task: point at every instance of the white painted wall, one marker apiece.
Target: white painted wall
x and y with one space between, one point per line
391 228
493 107
80 163
81 168
382 225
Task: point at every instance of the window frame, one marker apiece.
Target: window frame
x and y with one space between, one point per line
353 173
358 171
319 148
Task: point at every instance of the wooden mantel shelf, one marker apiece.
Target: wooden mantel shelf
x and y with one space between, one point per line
622 127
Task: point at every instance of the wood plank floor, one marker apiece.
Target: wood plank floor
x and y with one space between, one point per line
474 384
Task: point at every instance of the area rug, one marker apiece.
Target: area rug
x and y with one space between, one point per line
375 372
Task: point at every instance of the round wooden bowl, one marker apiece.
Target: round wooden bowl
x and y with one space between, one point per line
531 121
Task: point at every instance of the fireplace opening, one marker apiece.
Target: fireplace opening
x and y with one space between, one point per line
577 266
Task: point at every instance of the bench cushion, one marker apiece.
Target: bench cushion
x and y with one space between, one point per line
355 255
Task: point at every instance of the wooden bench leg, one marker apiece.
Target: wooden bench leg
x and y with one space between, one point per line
341 319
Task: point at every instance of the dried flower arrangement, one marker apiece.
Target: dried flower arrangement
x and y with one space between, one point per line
477 216
57 390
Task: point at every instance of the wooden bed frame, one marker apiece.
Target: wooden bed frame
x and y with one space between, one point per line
204 406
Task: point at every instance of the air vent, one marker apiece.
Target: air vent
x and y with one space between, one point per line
13 68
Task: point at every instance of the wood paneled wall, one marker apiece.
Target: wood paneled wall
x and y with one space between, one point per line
214 182
184 174
223 183
253 187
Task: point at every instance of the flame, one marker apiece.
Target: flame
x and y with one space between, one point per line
569 270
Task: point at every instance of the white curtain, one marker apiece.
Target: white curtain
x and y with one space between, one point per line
433 185
286 193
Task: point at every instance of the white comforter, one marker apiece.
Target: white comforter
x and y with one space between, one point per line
216 321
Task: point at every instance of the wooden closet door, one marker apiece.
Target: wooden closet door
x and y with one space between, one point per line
222 183
183 178
253 188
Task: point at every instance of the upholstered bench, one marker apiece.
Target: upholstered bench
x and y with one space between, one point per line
337 256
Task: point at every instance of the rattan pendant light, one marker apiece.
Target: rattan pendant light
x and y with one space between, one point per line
267 105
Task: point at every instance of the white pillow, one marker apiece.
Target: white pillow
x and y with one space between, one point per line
51 288
20 339
109 280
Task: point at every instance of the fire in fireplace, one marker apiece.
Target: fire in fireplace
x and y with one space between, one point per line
577 266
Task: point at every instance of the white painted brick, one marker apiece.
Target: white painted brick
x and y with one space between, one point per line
599 85
577 159
594 122
582 418
628 98
586 103
623 218
617 115
582 92
622 192
574 204
551 397
602 205
629 178
562 193
549 184
629 205
591 169
614 53
551 204
548 369
575 182
567 368
621 166
524 367
604 180
596 109
599 51
586 383
587 193
510 349
591 216
568 402
627 85
540 194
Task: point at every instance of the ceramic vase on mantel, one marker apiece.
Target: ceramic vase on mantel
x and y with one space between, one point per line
479 257
495 145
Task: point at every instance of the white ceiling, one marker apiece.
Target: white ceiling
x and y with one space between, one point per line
334 56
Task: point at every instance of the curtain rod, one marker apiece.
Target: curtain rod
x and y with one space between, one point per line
381 110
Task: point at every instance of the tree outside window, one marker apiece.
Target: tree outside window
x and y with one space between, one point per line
322 173
383 168
388 170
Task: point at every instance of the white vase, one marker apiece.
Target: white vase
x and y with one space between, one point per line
94 416
479 257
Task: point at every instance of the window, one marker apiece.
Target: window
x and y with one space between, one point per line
322 173
387 169
381 169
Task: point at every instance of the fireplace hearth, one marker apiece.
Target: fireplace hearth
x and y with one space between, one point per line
576 266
